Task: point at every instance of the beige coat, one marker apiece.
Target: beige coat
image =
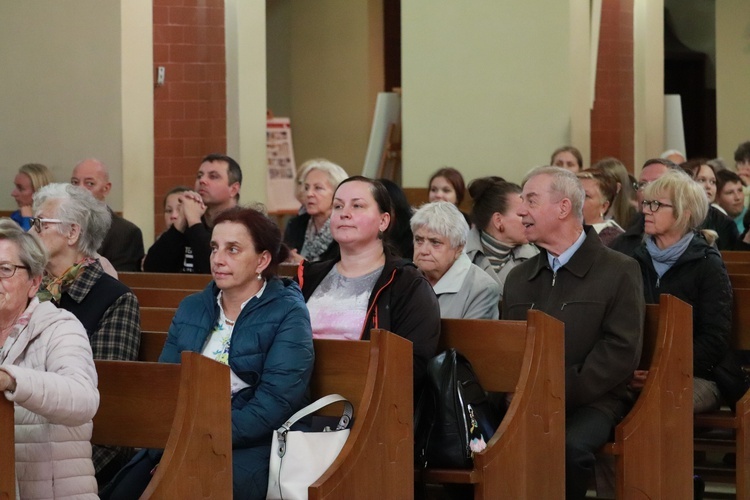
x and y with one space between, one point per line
56 398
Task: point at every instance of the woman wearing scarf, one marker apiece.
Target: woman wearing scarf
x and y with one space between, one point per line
71 224
497 242
678 260
308 235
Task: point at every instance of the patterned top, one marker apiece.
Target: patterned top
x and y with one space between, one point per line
220 339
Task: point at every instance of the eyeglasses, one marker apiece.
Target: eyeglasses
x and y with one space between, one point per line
654 205
7 270
38 221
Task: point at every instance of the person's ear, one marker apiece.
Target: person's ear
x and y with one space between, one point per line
107 187
565 208
264 260
605 207
385 221
234 189
73 234
35 282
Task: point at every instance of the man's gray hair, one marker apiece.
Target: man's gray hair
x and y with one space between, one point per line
443 218
565 184
31 252
77 206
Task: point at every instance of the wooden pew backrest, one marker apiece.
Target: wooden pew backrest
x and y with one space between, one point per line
525 458
735 256
161 297
654 442
177 281
7 450
156 319
377 461
183 408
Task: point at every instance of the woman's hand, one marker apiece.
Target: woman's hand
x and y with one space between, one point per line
638 380
7 383
294 257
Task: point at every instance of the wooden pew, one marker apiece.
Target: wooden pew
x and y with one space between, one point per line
737 267
735 256
377 461
739 420
7 450
182 408
160 297
653 445
740 280
166 280
156 319
152 344
525 459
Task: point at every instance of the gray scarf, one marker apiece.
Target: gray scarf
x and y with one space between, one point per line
664 259
316 242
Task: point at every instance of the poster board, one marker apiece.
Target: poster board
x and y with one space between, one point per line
281 168
387 112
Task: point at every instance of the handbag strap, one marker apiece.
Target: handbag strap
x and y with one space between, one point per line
317 405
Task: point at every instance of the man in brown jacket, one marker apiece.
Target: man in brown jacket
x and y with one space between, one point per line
598 294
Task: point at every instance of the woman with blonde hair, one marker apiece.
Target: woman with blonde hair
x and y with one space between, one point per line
678 259
29 179
623 208
308 235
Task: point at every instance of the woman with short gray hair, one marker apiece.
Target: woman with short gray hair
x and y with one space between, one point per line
464 290
71 224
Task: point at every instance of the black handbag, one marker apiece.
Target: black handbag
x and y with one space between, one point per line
454 414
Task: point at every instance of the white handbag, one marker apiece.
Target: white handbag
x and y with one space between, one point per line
299 458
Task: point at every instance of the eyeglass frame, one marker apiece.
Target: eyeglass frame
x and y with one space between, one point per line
36 222
650 204
15 268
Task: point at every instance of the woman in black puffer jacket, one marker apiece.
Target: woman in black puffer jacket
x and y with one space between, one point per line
677 260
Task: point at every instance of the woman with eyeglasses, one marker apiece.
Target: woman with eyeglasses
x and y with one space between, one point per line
71 225
47 371
678 259
716 219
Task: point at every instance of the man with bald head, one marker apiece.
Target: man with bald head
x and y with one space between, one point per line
123 245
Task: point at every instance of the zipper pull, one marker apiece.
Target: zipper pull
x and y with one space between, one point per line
657 282
554 277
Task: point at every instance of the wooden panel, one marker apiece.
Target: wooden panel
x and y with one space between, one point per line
7 450
160 297
156 319
735 256
165 280
152 343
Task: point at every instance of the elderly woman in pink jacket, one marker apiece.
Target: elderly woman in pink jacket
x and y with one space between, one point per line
47 370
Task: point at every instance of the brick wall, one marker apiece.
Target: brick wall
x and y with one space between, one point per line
612 119
190 108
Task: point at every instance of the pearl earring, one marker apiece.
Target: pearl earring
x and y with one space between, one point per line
260 277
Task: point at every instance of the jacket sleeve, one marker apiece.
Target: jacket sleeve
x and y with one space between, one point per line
484 302
616 354
118 334
167 253
416 317
712 316
66 392
283 383
199 239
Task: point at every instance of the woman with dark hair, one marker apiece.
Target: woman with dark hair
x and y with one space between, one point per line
705 175
497 242
447 184
256 323
172 252
567 157
367 286
400 236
